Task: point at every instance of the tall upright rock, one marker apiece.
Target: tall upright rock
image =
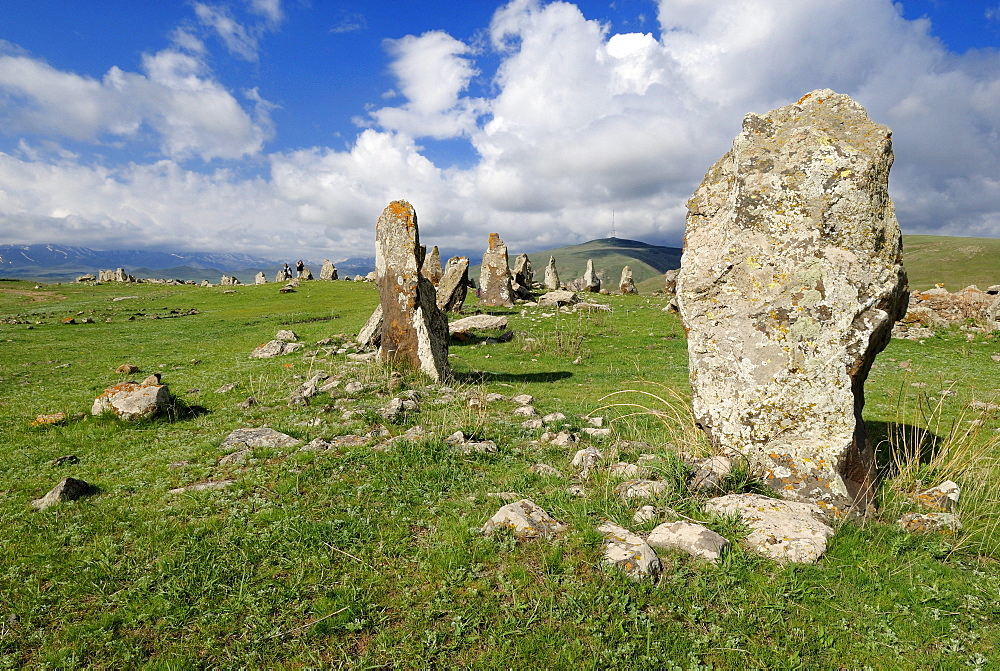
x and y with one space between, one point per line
790 282
432 266
626 285
522 276
591 282
551 275
454 285
328 271
494 275
414 330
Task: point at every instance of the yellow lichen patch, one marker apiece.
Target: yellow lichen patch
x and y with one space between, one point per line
54 418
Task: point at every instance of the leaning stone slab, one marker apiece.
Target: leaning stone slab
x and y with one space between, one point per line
453 285
370 335
68 489
414 330
526 519
261 437
695 539
494 275
628 552
785 531
791 279
131 400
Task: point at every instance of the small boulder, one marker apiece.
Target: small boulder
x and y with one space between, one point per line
927 522
68 489
526 519
261 437
944 497
628 552
130 400
695 539
642 489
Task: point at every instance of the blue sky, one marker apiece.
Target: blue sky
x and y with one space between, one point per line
283 127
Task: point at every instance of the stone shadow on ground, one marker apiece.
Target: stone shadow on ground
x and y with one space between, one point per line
478 377
897 442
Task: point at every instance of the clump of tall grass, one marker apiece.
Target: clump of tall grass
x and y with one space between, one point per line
927 446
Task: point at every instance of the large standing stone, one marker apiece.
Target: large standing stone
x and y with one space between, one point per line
494 275
790 281
591 282
626 285
260 278
454 285
414 330
551 275
432 266
328 271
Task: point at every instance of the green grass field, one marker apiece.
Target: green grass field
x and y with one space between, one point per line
354 557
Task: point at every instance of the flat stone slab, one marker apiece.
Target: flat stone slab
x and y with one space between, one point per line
786 531
485 322
695 539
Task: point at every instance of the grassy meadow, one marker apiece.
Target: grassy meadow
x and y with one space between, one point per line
360 557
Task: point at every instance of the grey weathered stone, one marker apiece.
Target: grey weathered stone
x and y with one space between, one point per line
522 277
627 471
944 497
414 330
201 486
790 281
453 285
68 489
587 460
229 281
283 275
628 552
477 322
260 278
328 271
545 470
695 539
558 298
526 520
591 282
431 268
786 531
670 282
494 275
275 348
709 473
286 335
930 522
626 285
132 400
642 489
551 275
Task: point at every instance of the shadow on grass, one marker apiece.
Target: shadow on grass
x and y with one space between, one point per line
897 444
478 377
181 410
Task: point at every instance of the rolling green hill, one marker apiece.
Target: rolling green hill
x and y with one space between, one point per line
955 262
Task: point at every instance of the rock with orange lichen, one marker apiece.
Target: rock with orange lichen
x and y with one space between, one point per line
414 330
790 282
132 400
628 552
495 287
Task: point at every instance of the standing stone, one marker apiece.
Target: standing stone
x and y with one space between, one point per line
494 275
454 285
432 266
260 278
414 330
591 282
551 275
522 278
306 274
790 282
328 271
626 285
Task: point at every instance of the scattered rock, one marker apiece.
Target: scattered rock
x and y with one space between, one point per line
695 539
532 424
786 531
485 322
587 460
626 470
526 519
229 386
646 514
558 298
248 403
68 489
525 411
523 399
546 470
944 497
709 473
642 489
201 486
65 459
275 348
628 552
51 418
130 401
927 522
553 417
127 369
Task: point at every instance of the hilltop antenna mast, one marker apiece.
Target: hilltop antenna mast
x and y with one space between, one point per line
612 223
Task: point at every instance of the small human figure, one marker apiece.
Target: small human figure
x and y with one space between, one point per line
299 267
286 272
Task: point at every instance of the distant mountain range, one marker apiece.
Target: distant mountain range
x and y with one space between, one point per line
63 263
